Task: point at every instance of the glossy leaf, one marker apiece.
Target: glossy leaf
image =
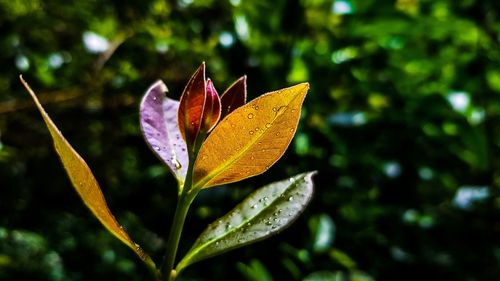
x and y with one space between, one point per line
250 139
263 213
234 97
211 110
191 106
84 182
158 116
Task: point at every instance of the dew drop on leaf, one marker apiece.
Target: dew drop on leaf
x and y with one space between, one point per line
290 198
268 125
251 132
250 115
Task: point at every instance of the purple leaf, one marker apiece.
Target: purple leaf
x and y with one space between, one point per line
158 116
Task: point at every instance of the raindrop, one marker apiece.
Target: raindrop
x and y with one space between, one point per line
228 226
251 132
254 206
290 198
290 179
293 110
250 115
252 157
261 200
178 165
266 198
268 125
291 130
259 143
155 98
279 211
249 224
274 226
192 123
275 219
275 109
216 243
269 223
157 148
277 133
256 129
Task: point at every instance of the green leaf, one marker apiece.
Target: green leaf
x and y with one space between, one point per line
263 213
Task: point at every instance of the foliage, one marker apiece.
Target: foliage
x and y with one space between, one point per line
401 122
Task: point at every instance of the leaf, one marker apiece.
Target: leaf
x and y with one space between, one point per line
211 110
250 139
191 106
84 182
160 129
234 96
263 213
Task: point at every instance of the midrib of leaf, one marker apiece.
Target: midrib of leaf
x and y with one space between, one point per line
235 229
241 153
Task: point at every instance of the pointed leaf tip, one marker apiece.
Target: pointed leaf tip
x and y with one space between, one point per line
234 96
263 213
191 106
254 137
159 125
84 182
212 108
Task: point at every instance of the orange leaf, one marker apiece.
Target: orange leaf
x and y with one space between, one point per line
250 139
85 183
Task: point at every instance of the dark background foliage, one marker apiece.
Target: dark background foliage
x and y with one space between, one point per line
402 123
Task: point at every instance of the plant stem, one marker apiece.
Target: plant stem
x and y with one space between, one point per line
184 201
175 234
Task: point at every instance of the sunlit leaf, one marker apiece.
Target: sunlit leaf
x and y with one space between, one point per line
234 97
250 139
84 182
158 115
263 213
191 106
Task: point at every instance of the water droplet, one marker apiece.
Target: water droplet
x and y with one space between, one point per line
290 179
249 224
250 115
155 98
261 200
217 243
252 157
279 211
274 227
228 226
254 206
269 223
266 198
251 132
177 164
275 109
293 109
290 198
192 123
292 130
233 125
157 148
268 125
259 143
275 219
257 128
277 133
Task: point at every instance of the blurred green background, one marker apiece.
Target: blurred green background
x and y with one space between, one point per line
402 122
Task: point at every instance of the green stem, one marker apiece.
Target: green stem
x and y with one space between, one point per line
175 234
184 201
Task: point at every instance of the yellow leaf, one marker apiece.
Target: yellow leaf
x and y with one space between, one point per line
250 139
85 183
